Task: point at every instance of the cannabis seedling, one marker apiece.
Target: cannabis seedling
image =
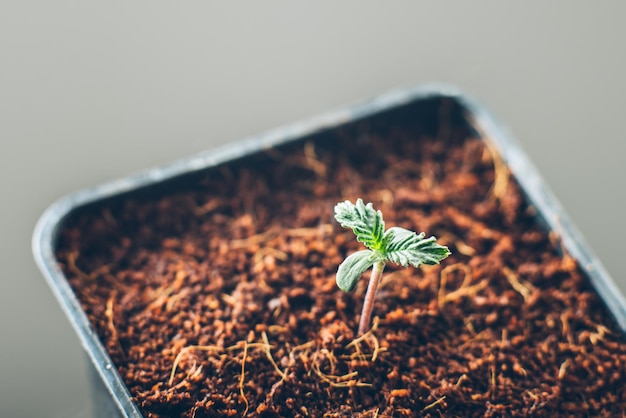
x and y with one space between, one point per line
398 245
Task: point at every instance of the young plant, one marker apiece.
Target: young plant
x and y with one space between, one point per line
397 245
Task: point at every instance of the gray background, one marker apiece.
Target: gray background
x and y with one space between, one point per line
92 91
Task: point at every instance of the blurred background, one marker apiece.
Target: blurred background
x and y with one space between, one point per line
93 91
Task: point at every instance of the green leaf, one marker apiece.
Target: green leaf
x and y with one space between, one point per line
367 223
353 267
405 247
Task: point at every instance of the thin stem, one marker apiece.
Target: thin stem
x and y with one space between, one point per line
368 304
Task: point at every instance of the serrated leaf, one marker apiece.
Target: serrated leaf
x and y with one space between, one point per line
405 247
366 223
353 267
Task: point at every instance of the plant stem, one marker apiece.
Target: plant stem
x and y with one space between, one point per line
368 303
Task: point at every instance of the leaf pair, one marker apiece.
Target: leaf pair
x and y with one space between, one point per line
398 245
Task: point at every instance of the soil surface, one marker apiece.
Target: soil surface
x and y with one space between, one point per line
216 296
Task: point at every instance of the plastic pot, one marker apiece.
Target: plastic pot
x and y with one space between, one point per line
111 396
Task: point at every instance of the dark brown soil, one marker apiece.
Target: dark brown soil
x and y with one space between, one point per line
216 296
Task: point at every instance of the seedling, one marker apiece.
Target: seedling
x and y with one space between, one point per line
397 245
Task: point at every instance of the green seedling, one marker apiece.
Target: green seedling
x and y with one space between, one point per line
397 245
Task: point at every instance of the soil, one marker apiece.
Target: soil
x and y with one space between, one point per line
215 295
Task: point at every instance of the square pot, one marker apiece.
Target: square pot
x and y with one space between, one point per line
436 111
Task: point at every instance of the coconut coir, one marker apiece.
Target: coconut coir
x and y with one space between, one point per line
216 296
